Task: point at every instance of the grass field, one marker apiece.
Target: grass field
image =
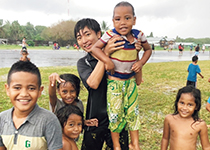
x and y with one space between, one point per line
157 95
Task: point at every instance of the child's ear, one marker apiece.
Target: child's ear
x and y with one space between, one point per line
40 90
7 89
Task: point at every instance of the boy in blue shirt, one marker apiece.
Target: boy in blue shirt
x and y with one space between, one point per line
193 70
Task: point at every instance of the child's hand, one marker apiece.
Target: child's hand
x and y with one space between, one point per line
209 80
55 77
91 122
113 45
137 66
138 45
109 66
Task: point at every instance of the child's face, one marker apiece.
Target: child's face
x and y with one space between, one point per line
23 91
86 38
186 105
73 126
67 92
123 19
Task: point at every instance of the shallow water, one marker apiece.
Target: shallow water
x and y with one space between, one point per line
45 58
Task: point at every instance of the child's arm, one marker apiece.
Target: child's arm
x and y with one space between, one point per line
204 136
201 75
96 50
166 134
147 53
52 89
2 148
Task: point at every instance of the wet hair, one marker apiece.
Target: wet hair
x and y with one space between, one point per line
197 96
126 4
86 22
24 66
194 58
64 113
73 79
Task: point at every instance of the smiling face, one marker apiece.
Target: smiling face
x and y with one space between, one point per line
73 126
86 38
67 92
186 105
123 20
23 91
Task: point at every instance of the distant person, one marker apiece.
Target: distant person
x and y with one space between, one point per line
153 48
24 44
170 48
191 47
193 69
182 128
180 49
124 69
72 121
197 49
24 56
54 45
26 125
203 48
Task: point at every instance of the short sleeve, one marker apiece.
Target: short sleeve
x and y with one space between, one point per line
198 70
53 134
142 37
106 36
208 100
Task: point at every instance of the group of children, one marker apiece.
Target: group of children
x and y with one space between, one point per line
27 125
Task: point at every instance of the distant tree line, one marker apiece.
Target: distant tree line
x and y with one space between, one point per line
61 32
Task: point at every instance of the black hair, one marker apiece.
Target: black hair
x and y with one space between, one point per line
127 4
86 22
24 66
194 58
25 51
73 79
64 113
197 96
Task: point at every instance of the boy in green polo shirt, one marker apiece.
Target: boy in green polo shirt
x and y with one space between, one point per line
26 125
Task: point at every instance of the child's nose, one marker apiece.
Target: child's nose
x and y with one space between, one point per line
24 92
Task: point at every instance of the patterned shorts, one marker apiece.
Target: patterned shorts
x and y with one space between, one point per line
123 105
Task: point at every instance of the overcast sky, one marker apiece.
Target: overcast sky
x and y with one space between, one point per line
171 18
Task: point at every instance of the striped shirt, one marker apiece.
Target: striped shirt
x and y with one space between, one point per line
124 59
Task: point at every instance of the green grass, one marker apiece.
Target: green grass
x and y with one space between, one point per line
157 95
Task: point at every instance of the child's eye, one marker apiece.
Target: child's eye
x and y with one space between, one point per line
71 124
127 18
79 124
72 91
16 87
117 19
32 88
64 92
